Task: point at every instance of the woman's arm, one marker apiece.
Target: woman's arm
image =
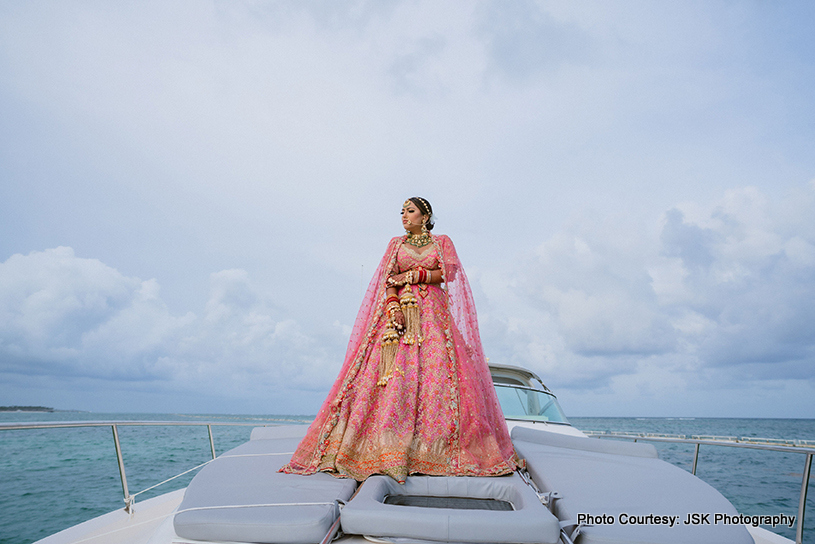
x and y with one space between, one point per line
433 276
394 314
418 275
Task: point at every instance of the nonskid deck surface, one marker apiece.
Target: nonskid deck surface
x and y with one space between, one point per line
119 527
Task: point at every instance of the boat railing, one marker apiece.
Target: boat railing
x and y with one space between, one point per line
804 447
130 499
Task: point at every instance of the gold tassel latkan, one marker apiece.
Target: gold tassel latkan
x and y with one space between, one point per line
410 309
390 343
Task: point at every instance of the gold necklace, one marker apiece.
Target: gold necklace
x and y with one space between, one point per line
418 240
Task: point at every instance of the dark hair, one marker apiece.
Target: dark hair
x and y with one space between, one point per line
426 209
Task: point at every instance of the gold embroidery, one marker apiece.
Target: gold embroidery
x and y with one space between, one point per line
417 255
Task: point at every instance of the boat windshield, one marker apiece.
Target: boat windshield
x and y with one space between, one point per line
529 404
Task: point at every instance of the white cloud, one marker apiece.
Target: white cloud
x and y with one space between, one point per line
727 295
78 318
50 301
748 274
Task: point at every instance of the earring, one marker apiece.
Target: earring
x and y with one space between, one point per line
424 227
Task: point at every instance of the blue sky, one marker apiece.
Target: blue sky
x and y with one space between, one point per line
193 194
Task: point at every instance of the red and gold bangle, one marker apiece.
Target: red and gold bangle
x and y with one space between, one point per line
392 308
390 299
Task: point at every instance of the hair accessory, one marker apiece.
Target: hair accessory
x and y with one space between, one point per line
426 205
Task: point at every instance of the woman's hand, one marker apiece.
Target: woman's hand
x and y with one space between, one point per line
398 319
396 280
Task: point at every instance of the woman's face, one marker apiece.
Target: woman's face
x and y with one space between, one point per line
411 216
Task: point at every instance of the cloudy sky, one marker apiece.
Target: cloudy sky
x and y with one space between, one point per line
193 194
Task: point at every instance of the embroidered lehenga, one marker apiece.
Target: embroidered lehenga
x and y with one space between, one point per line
436 411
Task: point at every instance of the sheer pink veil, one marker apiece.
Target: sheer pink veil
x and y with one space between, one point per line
460 300
477 393
370 311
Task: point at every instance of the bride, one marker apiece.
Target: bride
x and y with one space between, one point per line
414 395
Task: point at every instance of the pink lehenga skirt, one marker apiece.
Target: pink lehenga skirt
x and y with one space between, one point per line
437 413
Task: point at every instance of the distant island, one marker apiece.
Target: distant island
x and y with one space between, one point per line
26 409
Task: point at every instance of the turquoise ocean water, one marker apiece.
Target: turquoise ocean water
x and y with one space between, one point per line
51 479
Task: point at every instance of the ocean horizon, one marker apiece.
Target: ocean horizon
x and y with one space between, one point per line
55 478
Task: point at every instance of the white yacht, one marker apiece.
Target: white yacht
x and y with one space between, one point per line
576 489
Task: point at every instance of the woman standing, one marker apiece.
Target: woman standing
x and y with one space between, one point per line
414 395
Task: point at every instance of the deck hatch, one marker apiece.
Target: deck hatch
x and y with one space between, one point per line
458 503
473 509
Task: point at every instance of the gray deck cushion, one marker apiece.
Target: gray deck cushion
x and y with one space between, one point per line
616 447
598 483
529 523
247 476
